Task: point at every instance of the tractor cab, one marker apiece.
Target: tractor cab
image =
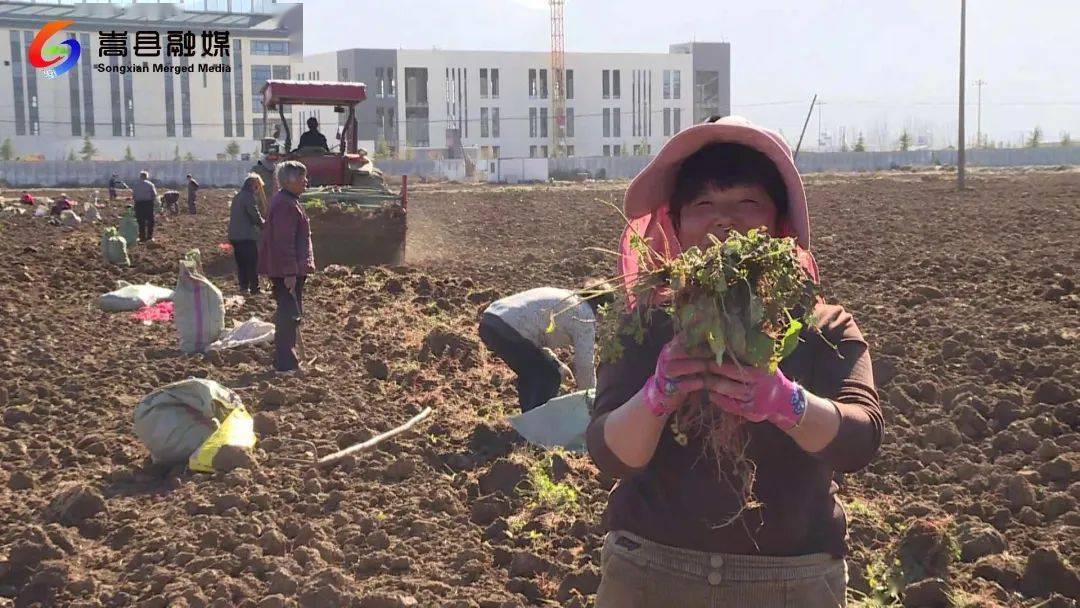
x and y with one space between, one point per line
355 218
342 162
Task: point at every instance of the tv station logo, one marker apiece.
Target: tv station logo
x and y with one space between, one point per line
56 59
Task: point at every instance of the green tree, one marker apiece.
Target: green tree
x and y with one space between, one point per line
1035 140
71 156
189 157
905 141
1066 139
127 154
232 149
860 144
88 150
176 153
6 149
382 148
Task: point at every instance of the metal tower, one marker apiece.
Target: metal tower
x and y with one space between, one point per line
558 80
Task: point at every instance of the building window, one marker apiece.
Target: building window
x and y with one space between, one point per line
88 87
607 150
543 151
532 151
606 84
269 47
226 99
569 150
238 78
677 122
485 130
667 84
114 98
607 122
569 122
543 122
31 88
495 123
391 82
495 150
259 75
170 101
76 110
494 83
257 130
343 74
617 150
667 122
616 122
416 89
676 84
532 83
380 122
185 99
379 91
616 87
17 82
543 84
532 122
483 83
569 84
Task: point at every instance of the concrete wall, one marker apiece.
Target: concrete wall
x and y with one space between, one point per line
51 174
231 173
811 162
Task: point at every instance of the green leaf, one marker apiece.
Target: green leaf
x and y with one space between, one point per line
790 339
551 325
757 310
716 343
759 349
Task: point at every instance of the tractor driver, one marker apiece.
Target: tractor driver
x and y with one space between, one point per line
312 138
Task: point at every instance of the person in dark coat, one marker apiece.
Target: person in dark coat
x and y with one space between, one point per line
245 220
192 189
285 255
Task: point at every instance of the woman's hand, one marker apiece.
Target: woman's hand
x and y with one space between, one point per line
678 374
755 394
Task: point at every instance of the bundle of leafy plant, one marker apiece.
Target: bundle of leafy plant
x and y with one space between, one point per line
745 299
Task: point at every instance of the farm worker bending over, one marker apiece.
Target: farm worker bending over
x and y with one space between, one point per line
515 330
312 138
285 255
27 199
144 193
680 531
60 205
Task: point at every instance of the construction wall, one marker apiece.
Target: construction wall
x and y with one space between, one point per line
60 174
46 174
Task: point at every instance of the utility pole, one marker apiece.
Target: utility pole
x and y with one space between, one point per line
960 161
978 121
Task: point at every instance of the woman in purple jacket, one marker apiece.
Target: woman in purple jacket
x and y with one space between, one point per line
285 256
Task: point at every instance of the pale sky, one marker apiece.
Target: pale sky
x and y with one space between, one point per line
879 66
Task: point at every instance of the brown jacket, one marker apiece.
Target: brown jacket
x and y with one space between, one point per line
677 498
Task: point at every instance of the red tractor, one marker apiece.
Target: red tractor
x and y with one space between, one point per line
355 218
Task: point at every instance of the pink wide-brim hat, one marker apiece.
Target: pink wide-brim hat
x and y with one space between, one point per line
652 189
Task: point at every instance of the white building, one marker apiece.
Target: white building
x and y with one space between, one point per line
158 113
500 102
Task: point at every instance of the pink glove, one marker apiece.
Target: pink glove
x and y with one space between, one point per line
757 395
677 375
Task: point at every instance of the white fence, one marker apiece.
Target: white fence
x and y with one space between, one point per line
59 174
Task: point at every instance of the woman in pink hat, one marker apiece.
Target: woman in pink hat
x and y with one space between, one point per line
672 539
